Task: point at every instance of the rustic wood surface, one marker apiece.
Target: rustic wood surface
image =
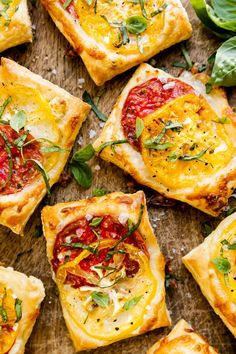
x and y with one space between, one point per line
178 228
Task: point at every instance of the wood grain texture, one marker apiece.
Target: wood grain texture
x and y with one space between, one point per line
178 228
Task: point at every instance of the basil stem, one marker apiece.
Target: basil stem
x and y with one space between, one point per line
3 106
80 245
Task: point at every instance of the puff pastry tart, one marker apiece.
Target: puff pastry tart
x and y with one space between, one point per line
182 340
113 36
171 136
38 124
213 265
15 25
20 299
108 268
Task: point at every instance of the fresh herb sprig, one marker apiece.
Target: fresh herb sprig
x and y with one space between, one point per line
132 302
88 99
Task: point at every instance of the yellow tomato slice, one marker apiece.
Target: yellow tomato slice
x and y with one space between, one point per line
115 319
9 11
228 284
7 334
41 121
117 11
199 133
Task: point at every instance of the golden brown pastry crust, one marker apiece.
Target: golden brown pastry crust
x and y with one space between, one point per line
207 195
183 340
31 291
15 209
55 218
103 63
211 282
19 29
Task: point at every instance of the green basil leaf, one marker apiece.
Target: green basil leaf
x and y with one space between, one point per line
9 154
18 309
87 98
19 142
80 245
3 314
131 303
96 222
82 174
105 267
155 146
230 211
160 10
228 245
207 229
66 4
101 299
226 13
222 120
84 154
142 5
177 64
222 265
53 148
43 172
192 157
136 24
139 127
186 55
204 13
224 69
3 106
99 192
111 143
18 121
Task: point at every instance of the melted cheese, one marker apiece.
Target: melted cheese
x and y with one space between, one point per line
200 132
112 321
10 11
117 11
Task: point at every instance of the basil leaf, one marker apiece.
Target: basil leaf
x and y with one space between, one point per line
82 173
186 55
131 303
43 172
53 148
111 143
3 314
142 5
18 121
96 222
66 4
101 299
136 24
230 211
177 64
19 142
222 120
105 267
222 265
155 146
228 245
224 69
226 13
158 11
84 154
18 309
192 157
80 245
205 14
139 127
3 106
9 154
87 98
99 192
89 2
207 229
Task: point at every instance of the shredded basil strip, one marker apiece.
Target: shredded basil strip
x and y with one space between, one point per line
99 192
3 314
101 299
111 143
96 221
155 143
228 245
66 4
19 142
18 309
105 267
4 105
132 302
186 55
87 98
18 121
9 154
43 172
158 11
139 127
193 157
80 245
222 265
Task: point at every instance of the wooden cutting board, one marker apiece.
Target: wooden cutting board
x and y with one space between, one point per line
178 228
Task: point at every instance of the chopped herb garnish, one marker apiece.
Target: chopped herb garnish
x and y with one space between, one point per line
3 106
105 267
111 143
101 299
87 98
155 143
9 154
19 142
131 303
193 157
79 168
229 246
222 120
186 55
96 222
18 309
136 24
80 245
66 4
158 11
99 192
222 265
18 121
43 172
177 64
202 68
230 211
207 229
139 127
3 314
142 5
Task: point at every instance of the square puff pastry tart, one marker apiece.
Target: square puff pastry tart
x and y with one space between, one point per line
112 37
15 25
108 268
170 137
20 299
182 340
213 266
38 125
